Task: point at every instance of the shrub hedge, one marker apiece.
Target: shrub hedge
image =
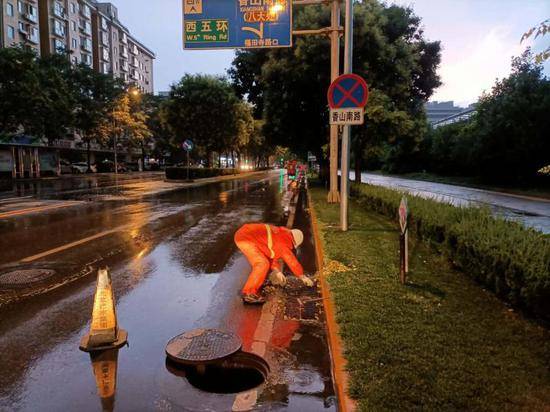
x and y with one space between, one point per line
511 260
180 173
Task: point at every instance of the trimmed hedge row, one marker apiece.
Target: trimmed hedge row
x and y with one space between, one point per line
511 260
180 173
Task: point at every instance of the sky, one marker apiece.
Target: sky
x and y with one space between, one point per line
479 38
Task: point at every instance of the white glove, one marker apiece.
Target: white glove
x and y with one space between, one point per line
307 281
277 278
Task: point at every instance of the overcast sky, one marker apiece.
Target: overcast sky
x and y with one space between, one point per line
479 37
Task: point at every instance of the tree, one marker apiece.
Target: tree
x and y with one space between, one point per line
202 108
95 96
540 30
512 124
56 113
19 89
289 85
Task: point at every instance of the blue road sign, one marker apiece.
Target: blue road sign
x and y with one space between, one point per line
188 145
219 24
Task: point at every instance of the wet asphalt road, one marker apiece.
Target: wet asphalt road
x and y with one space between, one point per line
174 268
532 212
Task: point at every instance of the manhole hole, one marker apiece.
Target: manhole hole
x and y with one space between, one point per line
202 345
238 373
23 277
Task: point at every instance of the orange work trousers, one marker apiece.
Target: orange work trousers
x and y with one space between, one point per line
260 267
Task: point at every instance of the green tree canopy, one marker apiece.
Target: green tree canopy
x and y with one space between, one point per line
287 87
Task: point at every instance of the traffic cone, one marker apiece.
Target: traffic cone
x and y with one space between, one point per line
104 332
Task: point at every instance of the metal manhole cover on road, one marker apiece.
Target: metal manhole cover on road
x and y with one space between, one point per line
23 277
202 345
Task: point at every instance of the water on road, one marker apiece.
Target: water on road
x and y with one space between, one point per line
174 268
532 212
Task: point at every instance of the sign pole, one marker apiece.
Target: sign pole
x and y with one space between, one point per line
403 240
334 195
188 165
346 137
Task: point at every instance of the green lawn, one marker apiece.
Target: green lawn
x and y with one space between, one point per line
439 343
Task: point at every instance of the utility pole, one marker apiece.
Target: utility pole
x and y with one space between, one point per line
333 194
346 137
334 33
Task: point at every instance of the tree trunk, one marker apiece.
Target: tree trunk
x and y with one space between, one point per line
219 160
88 155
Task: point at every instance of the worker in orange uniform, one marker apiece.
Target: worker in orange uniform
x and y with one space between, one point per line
264 245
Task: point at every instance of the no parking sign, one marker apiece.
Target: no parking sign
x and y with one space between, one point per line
347 98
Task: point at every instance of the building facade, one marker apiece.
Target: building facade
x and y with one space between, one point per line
436 111
19 23
90 31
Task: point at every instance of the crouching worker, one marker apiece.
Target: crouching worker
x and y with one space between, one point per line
264 245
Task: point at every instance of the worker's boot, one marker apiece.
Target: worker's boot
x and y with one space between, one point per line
253 299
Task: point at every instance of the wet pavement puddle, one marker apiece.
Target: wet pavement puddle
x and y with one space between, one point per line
179 273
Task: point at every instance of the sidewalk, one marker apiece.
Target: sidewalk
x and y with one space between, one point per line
439 343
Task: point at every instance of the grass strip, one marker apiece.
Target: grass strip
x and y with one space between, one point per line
439 343
511 260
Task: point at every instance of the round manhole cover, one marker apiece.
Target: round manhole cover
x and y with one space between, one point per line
202 345
24 277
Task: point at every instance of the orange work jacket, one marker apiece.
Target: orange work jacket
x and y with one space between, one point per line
280 247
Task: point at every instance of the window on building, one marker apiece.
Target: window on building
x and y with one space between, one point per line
20 6
73 8
9 9
75 43
33 35
59 46
22 27
74 59
59 28
33 13
11 32
75 27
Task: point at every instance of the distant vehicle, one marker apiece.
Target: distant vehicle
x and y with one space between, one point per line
82 167
66 167
108 166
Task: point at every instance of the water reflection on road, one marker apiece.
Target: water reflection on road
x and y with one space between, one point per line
178 272
531 212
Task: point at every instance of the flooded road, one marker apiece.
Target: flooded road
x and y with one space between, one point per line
532 212
174 268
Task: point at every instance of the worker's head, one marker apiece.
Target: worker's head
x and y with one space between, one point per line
298 237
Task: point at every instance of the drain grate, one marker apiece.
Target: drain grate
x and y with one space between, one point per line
18 278
202 345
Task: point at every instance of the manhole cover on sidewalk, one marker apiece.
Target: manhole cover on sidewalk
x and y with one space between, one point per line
23 277
202 345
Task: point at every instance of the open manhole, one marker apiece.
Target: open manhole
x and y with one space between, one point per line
24 277
202 346
240 372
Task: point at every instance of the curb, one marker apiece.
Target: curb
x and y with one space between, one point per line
339 363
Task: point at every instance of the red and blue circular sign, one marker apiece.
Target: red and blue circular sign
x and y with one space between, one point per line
348 91
188 145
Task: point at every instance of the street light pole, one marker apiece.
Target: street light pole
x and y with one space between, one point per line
333 194
346 137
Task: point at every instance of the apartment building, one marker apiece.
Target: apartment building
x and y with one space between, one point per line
89 30
19 23
66 25
117 51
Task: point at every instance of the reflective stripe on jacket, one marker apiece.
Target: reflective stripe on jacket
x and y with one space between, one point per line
274 242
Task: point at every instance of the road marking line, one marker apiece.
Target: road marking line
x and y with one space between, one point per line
36 209
69 245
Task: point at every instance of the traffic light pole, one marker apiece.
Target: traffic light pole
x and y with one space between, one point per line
346 137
